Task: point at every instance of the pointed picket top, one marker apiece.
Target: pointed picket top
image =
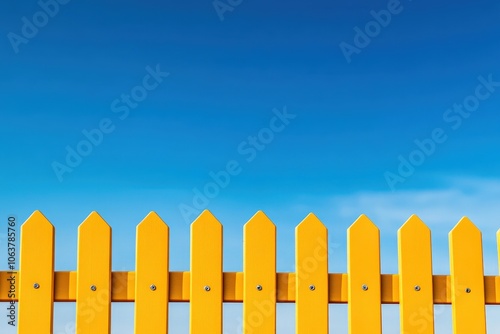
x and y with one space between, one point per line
260 235
311 222
37 217
464 227
364 223
413 225
259 220
415 276
37 223
413 232
152 220
94 221
206 218
467 278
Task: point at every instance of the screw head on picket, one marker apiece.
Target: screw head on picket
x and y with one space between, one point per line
417 287
467 290
152 287
259 287
364 287
36 285
93 287
207 288
312 287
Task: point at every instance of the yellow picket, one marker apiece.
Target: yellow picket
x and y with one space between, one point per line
498 255
93 282
415 278
151 278
363 269
259 282
36 284
467 280
496 294
497 280
206 275
311 267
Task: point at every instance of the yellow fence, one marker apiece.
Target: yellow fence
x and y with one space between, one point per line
206 287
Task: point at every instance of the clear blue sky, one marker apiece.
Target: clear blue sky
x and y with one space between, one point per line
393 108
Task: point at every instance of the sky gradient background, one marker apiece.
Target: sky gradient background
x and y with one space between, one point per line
354 121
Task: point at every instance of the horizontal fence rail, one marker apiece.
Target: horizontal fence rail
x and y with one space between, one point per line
94 286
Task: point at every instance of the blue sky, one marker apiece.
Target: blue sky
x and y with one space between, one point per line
408 123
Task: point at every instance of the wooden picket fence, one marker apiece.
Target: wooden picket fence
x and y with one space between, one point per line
206 287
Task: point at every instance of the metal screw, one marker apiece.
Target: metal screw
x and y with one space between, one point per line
417 287
259 287
36 285
152 287
93 287
364 287
467 290
207 288
312 287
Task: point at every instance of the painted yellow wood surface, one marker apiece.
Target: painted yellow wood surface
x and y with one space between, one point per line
311 267
415 278
151 279
93 282
259 270
497 278
36 284
363 270
206 275
467 280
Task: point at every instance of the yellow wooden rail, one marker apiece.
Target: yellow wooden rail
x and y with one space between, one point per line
259 287
123 290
